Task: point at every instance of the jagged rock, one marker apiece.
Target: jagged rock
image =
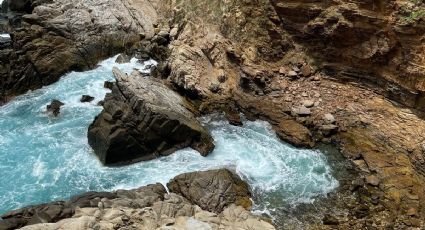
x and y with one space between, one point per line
123 58
108 85
54 107
51 38
233 116
143 119
212 190
86 98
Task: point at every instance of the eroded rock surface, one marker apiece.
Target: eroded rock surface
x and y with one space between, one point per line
143 119
148 207
50 38
212 190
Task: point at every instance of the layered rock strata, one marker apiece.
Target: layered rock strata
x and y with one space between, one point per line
143 119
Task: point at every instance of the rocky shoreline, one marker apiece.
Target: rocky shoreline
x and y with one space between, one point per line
347 74
195 201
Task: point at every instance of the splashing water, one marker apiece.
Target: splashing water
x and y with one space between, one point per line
43 158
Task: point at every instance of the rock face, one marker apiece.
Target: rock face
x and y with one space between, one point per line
148 207
143 119
212 190
50 38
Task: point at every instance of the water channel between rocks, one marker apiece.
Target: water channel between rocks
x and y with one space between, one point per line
43 158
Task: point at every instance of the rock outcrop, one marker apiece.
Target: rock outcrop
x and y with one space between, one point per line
212 190
51 38
143 119
148 207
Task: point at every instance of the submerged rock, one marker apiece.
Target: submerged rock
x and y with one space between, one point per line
143 119
54 107
86 98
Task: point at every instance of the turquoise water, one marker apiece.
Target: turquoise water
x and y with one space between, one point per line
43 158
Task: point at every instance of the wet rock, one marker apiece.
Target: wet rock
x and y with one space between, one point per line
372 180
108 85
54 107
143 119
86 98
330 220
233 116
212 190
123 58
294 133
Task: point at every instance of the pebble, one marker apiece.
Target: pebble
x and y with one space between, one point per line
308 103
304 94
292 74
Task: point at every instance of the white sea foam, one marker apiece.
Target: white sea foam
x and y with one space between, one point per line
4 35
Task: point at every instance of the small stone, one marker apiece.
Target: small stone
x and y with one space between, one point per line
330 220
292 74
316 78
329 118
174 31
357 183
296 69
306 70
316 94
372 180
304 94
301 111
423 147
308 103
282 70
412 211
86 98
288 99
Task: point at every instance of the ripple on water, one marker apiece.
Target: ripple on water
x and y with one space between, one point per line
44 158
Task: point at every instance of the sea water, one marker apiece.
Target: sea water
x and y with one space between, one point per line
45 158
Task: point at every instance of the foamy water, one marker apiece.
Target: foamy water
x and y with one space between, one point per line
43 158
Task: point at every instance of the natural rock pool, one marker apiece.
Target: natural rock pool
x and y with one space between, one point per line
43 158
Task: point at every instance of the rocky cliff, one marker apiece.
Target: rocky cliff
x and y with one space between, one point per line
350 73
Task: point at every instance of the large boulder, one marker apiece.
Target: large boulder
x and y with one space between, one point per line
143 119
212 190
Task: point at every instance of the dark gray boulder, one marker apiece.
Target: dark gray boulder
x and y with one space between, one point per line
86 98
143 119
